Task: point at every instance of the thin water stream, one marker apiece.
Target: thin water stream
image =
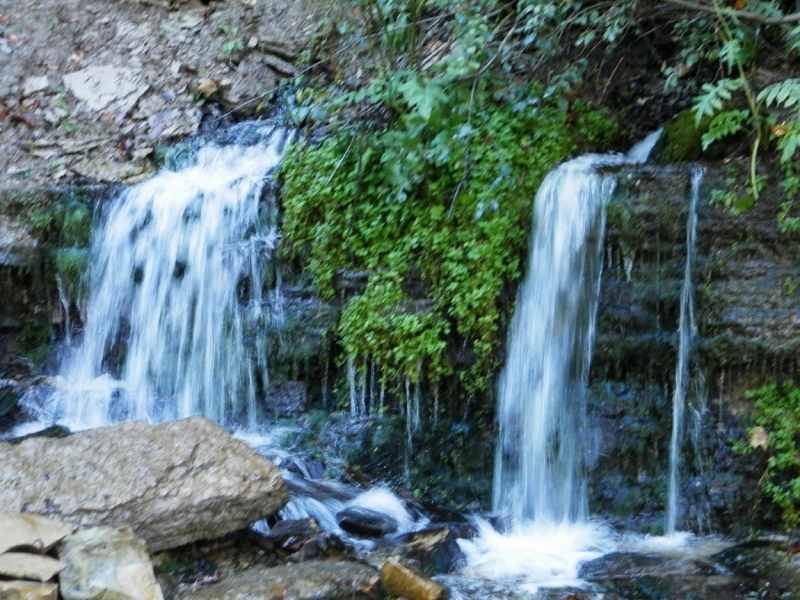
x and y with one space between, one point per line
686 331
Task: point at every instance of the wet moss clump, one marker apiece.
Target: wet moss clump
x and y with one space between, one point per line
681 140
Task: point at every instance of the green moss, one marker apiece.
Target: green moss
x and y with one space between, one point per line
681 140
32 342
71 264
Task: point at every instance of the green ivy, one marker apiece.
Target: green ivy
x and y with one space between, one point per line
438 220
776 415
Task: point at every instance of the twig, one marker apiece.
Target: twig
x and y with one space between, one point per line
341 160
742 14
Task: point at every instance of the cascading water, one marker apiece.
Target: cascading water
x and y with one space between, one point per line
538 464
539 482
177 293
686 335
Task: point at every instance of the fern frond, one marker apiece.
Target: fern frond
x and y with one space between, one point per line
706 105
724 124
785 93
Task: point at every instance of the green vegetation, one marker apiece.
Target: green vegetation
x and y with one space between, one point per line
426 185
776 430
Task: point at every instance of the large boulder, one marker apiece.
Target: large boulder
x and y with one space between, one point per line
173 483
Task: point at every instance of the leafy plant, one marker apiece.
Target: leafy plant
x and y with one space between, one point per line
776 415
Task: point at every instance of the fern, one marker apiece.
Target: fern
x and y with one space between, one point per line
724 124
706 105
785 93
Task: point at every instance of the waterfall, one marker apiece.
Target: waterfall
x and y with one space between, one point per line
179 287
538 468
686 335
539 480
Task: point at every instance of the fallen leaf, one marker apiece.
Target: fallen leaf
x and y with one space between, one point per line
780 130
759 438
740 4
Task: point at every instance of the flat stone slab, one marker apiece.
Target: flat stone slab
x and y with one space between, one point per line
173 483
107 562
312 580
24 590
30 531
31 567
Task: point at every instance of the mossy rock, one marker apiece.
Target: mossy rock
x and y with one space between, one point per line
681 140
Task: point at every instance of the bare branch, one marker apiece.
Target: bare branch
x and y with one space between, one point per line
742 14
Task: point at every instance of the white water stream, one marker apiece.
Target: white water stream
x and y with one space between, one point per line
177 293
686 331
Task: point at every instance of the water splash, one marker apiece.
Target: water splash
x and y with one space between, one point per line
179 273
686 331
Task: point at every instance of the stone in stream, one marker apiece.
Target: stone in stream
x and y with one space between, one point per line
365 522
31 567
25 590
173 483
107 562
29 532
402 580
312 580
435 549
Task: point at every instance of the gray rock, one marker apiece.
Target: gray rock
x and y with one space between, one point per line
365 522
287 399
30 532
109 563
174 483
31 567
312 580
106 87
25 590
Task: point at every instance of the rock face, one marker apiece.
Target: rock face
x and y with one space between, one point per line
83 82
313 580
107 562
173 483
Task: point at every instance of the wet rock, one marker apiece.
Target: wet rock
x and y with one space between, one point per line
111 167
174 483
107 562
290 534
402 580
312 580
287 399
9 395
365 522
303 538
54 431
434 549
632 565
25 590
31 567
29 532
